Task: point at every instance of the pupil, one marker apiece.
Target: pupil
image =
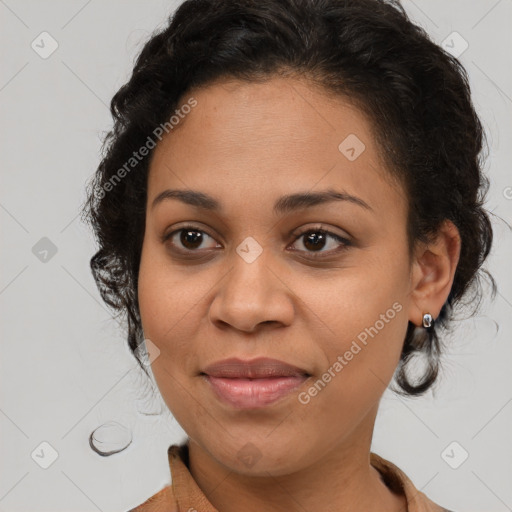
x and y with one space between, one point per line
315 238
190 237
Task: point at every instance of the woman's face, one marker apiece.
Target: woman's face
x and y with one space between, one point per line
255 277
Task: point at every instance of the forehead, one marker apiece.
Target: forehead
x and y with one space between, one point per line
257 141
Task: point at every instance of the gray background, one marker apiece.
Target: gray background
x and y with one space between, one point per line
65 369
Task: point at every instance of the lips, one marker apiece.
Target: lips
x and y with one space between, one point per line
253 384
259 368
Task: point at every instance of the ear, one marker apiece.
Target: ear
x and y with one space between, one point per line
432 272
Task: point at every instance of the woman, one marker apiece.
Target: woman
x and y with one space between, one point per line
289 208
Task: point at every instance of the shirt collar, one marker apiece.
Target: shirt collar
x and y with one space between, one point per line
189 496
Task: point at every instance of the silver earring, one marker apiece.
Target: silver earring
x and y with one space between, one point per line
428 321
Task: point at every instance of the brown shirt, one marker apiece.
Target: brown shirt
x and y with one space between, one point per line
184 495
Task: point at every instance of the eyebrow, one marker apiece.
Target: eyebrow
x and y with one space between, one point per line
284 204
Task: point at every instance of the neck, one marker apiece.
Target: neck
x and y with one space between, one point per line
341 480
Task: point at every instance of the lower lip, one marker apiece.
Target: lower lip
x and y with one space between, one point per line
253 393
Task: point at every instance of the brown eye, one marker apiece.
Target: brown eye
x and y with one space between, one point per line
189 240
315 239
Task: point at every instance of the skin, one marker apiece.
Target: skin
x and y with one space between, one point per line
247 144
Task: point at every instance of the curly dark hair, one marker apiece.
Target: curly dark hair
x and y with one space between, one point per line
366 51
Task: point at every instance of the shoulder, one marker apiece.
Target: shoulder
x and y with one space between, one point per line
399 482
163 501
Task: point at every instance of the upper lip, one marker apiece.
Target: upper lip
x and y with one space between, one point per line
261 367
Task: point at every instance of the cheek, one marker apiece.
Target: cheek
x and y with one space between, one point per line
360 351
173 315
166 306
363 321
164 296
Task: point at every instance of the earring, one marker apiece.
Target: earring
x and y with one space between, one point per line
428 321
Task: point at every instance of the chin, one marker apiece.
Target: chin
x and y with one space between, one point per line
253 456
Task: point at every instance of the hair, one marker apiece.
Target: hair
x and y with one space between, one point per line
416 95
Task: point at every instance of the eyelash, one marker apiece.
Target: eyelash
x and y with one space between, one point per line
345 243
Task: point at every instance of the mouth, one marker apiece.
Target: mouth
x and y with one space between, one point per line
253 384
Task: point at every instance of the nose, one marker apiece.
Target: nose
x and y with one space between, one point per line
251 295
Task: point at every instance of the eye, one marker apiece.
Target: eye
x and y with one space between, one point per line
315 239
191 238
189 241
